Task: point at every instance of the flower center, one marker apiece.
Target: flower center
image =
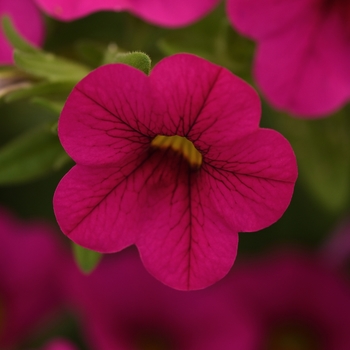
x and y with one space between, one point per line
293 338
180 145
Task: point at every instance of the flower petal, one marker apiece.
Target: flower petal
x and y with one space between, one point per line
296 69
184 244
298 43
27 19
155 203
166 13
95 207
204 102
250 184
266 18
107 116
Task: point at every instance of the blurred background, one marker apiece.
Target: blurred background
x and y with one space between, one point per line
274 298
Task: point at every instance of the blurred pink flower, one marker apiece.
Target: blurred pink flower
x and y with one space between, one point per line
29 284
181 199
298 302
303 52
28 21
336 250
122 307
59 344
166 13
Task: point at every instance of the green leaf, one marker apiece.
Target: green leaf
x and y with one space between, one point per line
86 259
31 156
57 90
53 106
14 38
90 52
50 67
135 59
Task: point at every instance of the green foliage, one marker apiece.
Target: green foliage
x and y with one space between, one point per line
86 259
54 90
41 64
31 155
50 67
137 60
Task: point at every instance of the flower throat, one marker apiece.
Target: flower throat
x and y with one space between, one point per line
180 145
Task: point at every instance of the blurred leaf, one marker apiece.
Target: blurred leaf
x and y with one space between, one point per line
55 107
50 67
90 52
31 155
322 148
11 79
58 90
14 38
110 54
86 259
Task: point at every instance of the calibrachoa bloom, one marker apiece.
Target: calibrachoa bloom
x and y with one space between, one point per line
59 344
166 13
303 51
27 19
298 303
30 259
133 311
174 163
336 250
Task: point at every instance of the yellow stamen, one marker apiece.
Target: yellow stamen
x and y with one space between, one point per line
181 145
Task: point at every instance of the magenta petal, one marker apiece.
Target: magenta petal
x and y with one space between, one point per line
203 101
28 21
166 13
185 244
250 184
302 78
59 344
298 44
95 207
148 203
106 117
266 18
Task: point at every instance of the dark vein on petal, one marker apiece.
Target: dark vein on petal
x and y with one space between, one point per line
205 99
92 208
111 113
234 173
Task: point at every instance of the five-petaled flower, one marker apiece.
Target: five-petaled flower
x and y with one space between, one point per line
303 52
167 13
174 163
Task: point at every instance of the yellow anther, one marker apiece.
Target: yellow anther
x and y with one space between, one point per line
181 145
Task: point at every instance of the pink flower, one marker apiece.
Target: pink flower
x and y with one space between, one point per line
59 344
336 250
174 163
134 311
29 283
166 13
298 302
303 51
27 19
